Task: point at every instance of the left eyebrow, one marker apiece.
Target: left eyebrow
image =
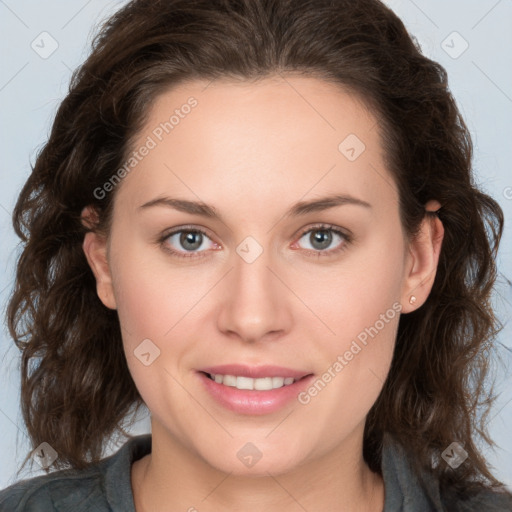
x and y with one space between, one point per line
324 203
298 209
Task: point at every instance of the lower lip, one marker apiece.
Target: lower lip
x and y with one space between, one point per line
248 401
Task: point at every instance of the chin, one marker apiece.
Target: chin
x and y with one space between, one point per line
249 460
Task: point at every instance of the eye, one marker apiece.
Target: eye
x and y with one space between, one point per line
322 236
187 240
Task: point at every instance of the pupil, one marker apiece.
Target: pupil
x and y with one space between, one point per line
324 238
188 237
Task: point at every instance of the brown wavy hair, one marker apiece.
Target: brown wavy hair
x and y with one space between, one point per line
76 389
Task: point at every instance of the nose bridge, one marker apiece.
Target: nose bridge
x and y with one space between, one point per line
255 303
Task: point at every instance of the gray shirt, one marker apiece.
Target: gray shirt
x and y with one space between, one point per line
106 486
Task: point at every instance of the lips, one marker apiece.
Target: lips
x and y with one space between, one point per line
245 389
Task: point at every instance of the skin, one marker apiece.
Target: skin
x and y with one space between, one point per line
252 150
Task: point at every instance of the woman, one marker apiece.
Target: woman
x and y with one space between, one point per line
313 348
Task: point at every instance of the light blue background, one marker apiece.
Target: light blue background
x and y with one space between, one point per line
32 87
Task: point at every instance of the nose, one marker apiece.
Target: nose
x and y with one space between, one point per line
254 301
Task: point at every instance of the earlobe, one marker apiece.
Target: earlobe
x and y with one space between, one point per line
95 250
421 267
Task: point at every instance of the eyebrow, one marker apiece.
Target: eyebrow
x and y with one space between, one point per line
298 209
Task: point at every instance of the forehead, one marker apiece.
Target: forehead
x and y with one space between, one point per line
273 139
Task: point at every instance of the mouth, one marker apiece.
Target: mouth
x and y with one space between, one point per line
253 390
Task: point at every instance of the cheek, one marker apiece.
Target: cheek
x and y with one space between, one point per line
352 295
155 309
145 296
356 365
141 306
149 305
145 317
360 309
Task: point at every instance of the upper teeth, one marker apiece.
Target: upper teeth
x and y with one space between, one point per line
263 384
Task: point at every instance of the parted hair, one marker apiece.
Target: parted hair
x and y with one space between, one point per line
76 389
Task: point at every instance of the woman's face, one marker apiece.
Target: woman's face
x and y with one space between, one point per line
314 290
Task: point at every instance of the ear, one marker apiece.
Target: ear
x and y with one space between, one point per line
422 260
96 251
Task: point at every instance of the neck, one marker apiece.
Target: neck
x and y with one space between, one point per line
173 478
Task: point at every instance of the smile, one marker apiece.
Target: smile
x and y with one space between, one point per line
253 390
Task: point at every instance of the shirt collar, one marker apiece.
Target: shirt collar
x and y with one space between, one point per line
405 491
118 485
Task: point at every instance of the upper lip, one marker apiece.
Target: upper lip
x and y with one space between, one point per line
255 372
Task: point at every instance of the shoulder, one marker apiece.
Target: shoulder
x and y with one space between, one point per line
490 501
104 486
408 490
61 490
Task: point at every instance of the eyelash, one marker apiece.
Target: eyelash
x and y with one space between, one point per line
347 240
